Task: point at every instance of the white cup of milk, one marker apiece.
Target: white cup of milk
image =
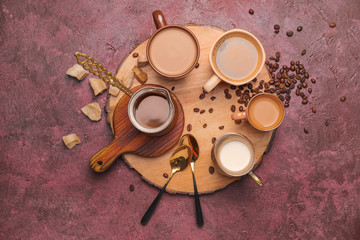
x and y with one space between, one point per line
234 155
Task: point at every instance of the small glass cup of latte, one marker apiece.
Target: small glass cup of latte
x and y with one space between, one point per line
265 112
234 156
173 50
236 57
152 111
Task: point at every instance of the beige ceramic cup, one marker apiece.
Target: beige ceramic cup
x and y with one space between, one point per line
219 76
247 151
265 112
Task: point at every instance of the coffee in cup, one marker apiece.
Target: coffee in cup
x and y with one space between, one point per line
264 112
236 57
234 155
173 50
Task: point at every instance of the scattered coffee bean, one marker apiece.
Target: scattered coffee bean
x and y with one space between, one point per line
278 55
205 125
313 80
211 169
211 110
297 63
310 90
289 33
327 122
313 110
189 127
304 101
132 188
241 108
213 140
276 31
197 65
233 87
304 85
281 97
237 121
226 91
202 111
196 109
299 86
286 105
249 85
251 11
233 108
306 130
212 98
299 28
221 127
276 26
306 75
303 52
165 175
332 24
343 99
228 96
135 55
202 96
173 88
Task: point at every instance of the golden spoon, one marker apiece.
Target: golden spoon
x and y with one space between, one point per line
178 161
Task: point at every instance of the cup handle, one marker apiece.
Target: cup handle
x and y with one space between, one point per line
211 83
159 19
238 116
256 179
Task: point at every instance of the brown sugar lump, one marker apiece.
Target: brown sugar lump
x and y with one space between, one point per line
97 85
142 61
77 71
92 111
114 91
140 75
71 140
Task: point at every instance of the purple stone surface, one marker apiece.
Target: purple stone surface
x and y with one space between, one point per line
312 181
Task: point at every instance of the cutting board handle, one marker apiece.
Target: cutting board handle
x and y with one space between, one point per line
103 159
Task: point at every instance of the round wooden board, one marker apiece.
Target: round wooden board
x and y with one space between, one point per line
188 91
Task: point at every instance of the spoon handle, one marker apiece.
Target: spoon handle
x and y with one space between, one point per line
199 216
152 207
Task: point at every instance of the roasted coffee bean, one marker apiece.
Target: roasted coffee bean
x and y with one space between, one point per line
221 127
246 92
278 92
241 87
277 54
292 86
299 86
273 75
228 96
343 99
266 85
211 110
213 139
257 90
283 90
297 70
202 111
286 105
233 108
298 77
272 90
165 175
213 98
232 87
281 97
292 63
289 33
189 127
302 71
285 67
287 97
197 65
292 68
205 125
282 80
292 76
276 26
288 91
302 94
304 101
277 59
277 84
306 75
132 188
202 96
271 82
251 11
267 90
310 90
237 121
297 63
287 84
297 92
173 88
241 108
267 62
135 55
294 81
226 91
306 130
272 59
211 169
299 28
327 122
282 85
238 92
313 110
332 24
313 80
261 82
276 31
260 87
196 109
303 52
304 85
249 85
254 80
301 66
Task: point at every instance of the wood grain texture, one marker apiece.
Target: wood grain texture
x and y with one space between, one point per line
128 139
188 91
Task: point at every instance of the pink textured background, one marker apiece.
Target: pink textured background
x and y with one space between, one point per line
312 182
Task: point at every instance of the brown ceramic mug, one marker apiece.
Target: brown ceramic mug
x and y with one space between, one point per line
173 50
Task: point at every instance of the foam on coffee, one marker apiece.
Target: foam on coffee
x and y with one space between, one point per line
237 57
173 51
265 112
